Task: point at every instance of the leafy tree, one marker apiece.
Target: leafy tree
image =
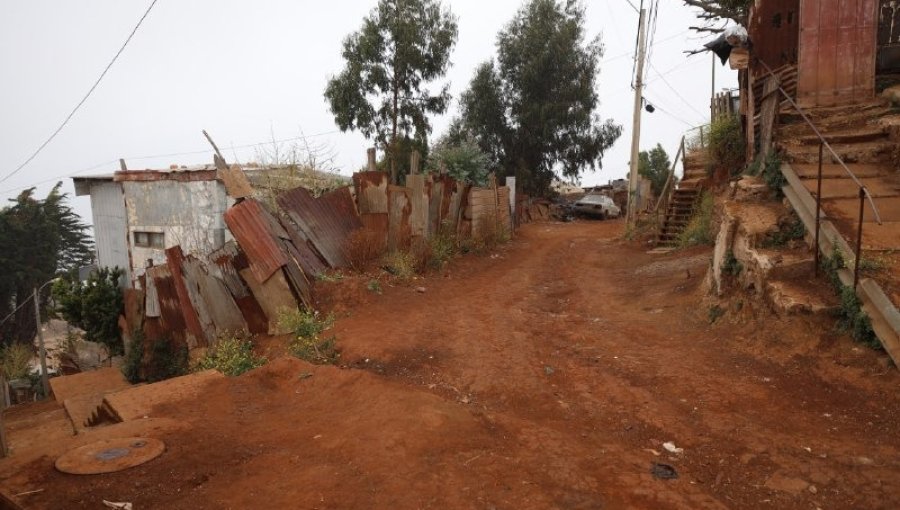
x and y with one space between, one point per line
534 110
41 239
654 165
94 305
402 46
462 158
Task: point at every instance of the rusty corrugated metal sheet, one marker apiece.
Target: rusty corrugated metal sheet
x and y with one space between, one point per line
171 319
309 260
774 28
371 192
229 261
376 225
273 296
251 226
224 314
837 52
399 212
192 320
223 267
326 223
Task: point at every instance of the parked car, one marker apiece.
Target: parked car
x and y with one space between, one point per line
599 206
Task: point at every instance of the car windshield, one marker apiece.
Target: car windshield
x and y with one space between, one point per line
595 199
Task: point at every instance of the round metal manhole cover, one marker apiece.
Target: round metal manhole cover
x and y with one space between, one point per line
110 455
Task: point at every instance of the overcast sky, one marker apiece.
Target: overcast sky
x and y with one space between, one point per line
248 70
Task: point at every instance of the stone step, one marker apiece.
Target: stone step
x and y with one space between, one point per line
867 152
862 135
847 209
847 188
810 170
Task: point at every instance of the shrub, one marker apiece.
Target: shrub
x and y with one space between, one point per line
769 168
726 144
443 246
700 229
374 286
232 355
363 245
132 364
166 361
94 305
401 264
488 235
15 361
790 230
851 317
307 343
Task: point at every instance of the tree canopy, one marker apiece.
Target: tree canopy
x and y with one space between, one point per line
402 46
41 239
714 12
462 158
654 165
534 110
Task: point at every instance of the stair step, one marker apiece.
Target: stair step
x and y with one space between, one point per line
863 153
846 137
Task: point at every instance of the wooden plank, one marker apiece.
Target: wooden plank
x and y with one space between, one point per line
418 196
236 183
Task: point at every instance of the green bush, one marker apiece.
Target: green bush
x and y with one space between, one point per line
732 265
307 343
442 246
132 364
94 305
851 317
727 145
15 361
401 264
699 230
232 355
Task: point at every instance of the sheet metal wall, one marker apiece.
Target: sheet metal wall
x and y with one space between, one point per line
110 226
775 31
837 52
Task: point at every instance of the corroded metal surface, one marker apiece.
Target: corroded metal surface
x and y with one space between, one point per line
224 314
252 227
192 320
837 52
110 455
371 192
171 318
399 211
324 222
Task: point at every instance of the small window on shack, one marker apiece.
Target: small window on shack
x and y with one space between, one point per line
150 239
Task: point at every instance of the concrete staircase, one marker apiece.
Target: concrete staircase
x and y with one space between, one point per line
684 199
859 135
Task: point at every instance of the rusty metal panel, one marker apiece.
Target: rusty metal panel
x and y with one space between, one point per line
306 256
251 226
399 211
224 314
192 321
837 52
482 209
223 268
225 265
273 296
151 304
325 223
371 191
774 28
171 318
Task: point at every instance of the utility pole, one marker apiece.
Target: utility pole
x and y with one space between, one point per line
712 94
45 383
636 125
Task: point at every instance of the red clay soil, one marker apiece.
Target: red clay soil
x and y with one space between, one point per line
547 375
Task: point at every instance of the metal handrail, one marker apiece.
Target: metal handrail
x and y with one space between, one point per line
824 142
863 190
670 186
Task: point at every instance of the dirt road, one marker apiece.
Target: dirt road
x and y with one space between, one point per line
547 375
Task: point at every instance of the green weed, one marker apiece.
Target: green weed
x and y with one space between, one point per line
232 355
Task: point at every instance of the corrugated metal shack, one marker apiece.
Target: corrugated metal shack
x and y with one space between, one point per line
277 248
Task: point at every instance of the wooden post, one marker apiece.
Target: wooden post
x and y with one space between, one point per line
122 165
414 161
45 381
372 164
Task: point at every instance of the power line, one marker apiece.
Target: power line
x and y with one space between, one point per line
634 7
674 91
86 96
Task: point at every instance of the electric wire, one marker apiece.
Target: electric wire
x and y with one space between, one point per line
83 99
